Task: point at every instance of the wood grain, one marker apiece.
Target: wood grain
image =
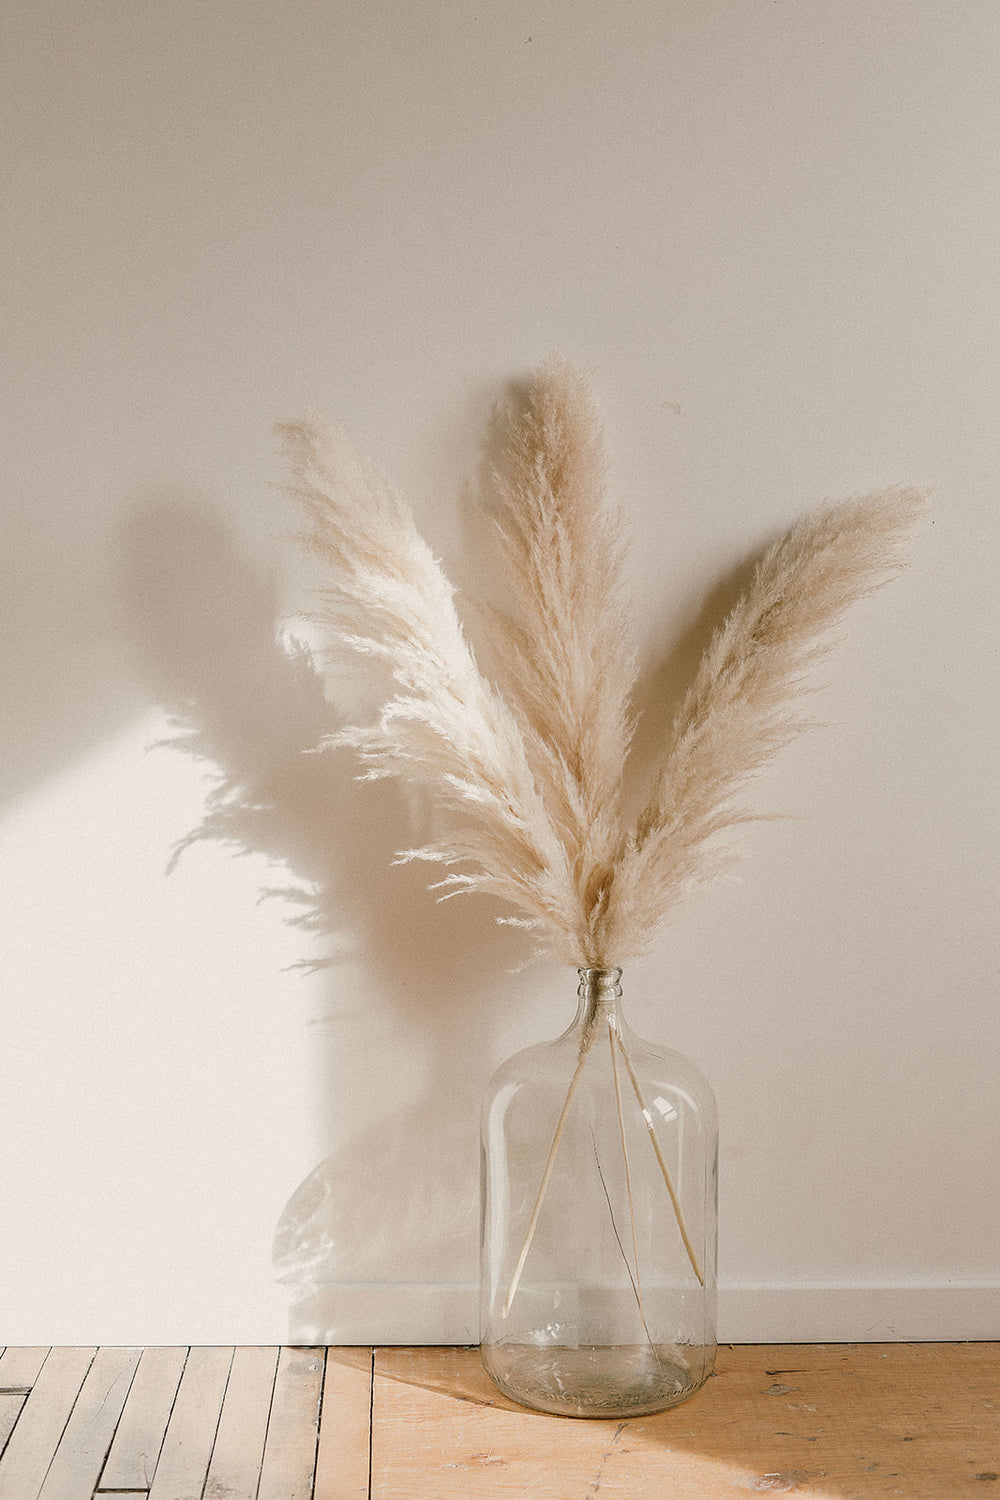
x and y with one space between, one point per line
19 1368
32 1444
342 1463
834 1422
135 1450
11 1405
845 1421
80 1455
190 1437
234 1471
292 1434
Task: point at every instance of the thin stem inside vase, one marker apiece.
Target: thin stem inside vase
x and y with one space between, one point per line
675 1201
628 1175
543 1185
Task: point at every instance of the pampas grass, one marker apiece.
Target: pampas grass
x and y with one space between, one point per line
530 777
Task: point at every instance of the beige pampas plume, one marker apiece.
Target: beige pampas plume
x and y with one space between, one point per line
743 705
531 777
567 662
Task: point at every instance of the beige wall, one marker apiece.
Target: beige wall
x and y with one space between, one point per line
772 229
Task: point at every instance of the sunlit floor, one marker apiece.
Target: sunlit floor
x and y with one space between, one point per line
834 1420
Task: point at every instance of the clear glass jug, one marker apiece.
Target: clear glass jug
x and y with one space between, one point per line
599 1164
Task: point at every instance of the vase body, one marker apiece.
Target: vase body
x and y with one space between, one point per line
599 1155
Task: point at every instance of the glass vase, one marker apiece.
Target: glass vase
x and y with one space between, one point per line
599 1155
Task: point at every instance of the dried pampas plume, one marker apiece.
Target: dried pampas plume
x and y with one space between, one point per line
530 773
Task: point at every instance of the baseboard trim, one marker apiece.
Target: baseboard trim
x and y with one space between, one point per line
833 1314
446 1313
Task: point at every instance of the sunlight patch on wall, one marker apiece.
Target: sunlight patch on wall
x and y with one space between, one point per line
157 1074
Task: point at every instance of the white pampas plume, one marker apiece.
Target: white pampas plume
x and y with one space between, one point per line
443 725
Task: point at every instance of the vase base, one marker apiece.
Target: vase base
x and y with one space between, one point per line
622 1380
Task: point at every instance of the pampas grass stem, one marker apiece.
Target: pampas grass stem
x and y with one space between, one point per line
612 1043
665 1170
550 1162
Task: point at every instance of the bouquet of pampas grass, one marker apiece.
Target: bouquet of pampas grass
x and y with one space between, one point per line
529 770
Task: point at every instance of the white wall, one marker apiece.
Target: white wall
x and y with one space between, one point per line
772 230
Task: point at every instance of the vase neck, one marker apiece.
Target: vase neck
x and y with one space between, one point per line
600 997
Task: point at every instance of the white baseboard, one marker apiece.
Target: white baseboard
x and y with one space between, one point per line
813 1314
447 1313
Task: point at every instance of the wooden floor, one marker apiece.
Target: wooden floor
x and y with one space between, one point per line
839 1421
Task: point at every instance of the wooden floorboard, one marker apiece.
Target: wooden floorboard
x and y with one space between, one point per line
834 1422
39 1428
293 1430
135 1450
234 1470
845 1422
88 1434
182 1467
344 1454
